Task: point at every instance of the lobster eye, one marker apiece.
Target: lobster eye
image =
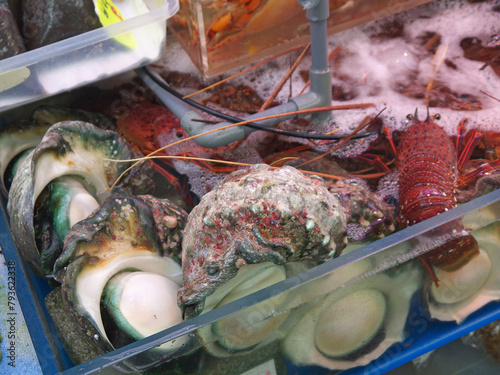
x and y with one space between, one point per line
409 117
437 116
213 271
179 134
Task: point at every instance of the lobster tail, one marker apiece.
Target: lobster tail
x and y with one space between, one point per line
454 254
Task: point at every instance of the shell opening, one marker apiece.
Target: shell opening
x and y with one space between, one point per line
351 323
92 279
139 304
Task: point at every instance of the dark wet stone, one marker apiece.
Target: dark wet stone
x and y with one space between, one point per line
11 41
49 21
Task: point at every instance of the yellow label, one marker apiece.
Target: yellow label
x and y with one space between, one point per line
109 14
13 78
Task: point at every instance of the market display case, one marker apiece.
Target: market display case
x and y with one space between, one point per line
388 256
375 308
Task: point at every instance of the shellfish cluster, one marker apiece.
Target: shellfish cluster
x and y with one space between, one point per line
103 242
128 264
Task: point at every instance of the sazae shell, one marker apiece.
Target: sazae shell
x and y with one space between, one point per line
77 157
118 270
258 214
20 137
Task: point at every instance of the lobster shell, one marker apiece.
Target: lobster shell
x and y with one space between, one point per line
427 166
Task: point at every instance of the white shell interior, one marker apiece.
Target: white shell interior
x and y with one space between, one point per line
92 279
82 203
149 302
84 163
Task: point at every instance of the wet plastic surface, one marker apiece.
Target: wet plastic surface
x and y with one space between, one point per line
95 55
424 334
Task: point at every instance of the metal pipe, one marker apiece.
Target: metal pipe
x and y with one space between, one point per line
320 94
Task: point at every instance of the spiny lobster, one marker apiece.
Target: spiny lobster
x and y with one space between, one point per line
429 167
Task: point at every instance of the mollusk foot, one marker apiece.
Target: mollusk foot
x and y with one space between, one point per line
353 325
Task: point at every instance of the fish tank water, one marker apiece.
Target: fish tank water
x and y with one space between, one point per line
303 323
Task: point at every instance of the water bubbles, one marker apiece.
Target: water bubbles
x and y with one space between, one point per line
388 186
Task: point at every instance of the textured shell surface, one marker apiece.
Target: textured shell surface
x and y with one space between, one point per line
124 223
128 233
255 215
69 148
369 217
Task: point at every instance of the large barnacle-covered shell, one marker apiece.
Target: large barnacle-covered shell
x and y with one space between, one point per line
118 270
71 169
258 214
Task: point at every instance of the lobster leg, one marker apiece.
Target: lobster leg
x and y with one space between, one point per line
430 270
461 130
374 161
388 134
484 170
466 154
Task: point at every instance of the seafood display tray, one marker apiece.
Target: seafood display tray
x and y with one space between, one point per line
95 55
423 334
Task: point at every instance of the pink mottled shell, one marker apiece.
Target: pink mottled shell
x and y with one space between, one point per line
256 215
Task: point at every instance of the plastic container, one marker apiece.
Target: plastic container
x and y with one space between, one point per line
392 255
94 55
217 45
